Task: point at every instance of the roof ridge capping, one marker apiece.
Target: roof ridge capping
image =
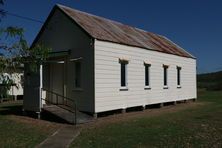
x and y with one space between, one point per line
59 5
67 7
113 31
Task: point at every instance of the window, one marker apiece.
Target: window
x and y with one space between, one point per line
147 74
165 75
123 71
78 74
178 76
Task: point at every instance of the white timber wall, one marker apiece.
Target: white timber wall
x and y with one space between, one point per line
108 95
61 34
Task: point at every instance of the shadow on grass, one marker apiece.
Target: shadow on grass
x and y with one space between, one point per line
16 108
11 108
47 116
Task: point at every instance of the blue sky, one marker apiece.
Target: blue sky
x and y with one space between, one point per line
195 25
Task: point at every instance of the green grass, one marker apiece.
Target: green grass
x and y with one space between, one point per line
18 131
195 126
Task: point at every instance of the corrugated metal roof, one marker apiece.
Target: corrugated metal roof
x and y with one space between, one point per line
108 30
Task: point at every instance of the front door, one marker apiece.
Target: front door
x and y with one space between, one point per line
57 81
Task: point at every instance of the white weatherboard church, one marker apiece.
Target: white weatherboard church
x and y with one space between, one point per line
105 65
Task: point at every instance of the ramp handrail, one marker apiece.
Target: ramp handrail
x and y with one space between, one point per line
65 102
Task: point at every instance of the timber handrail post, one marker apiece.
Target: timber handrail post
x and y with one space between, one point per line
57 101
75 110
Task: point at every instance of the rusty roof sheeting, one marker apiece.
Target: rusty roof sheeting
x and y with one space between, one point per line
108 30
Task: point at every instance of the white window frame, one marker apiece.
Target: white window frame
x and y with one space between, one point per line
147 65
125 62
179 79
165 86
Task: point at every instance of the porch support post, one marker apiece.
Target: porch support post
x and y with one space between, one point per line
24 112
123 110
15 98
39 115
40 87
143 107
95 116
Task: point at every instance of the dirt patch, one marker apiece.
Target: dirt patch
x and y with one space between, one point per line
103 121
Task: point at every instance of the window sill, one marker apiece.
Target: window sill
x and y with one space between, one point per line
123 89
165 87
179 86
147 87
77 89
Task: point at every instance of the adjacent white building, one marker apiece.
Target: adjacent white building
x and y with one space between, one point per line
16 89
105 65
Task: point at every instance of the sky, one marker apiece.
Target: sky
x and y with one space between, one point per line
195 25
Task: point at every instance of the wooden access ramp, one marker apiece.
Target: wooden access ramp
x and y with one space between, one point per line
63 107
68 115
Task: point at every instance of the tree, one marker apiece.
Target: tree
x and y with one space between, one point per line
16 51
2 12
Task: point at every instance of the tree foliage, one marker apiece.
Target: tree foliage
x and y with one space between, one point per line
210 81
15 51
6 84
15 47
2 12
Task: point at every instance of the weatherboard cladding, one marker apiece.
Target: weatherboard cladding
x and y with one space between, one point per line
108 30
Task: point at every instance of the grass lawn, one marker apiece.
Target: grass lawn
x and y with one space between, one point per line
20 131
194 126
